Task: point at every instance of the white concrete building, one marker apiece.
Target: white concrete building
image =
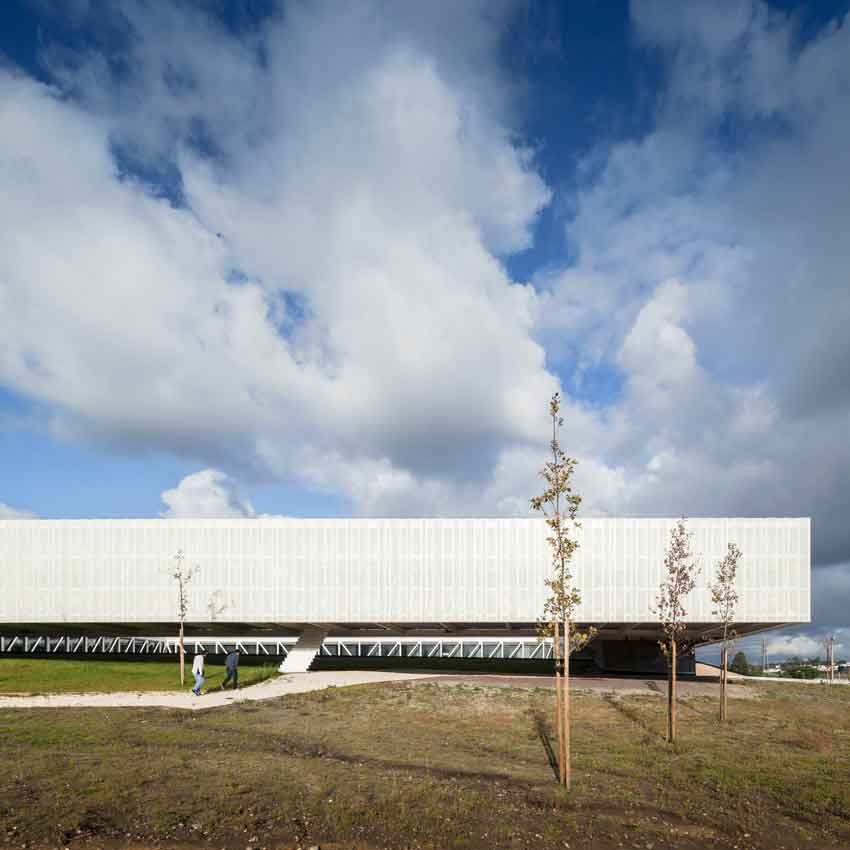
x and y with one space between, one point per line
362 576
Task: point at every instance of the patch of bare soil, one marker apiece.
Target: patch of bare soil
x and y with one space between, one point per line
617 684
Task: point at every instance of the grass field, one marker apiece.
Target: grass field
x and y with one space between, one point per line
61 675
431 766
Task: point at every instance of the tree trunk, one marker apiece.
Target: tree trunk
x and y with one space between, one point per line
673 695
724 660
671 661
559 719
566 711
182 657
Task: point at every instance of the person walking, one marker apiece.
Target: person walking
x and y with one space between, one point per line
198 673
231 666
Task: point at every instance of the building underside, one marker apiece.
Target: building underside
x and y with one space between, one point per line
616 647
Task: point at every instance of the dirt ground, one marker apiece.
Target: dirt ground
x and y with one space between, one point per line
704 687
415 764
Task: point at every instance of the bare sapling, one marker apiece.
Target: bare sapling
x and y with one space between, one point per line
559 505
724 599
216 605
182 575
678 582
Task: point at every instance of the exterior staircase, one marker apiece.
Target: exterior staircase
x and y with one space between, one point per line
302 654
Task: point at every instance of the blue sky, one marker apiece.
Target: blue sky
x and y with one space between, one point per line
339 268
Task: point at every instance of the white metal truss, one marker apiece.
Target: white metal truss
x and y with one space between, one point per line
476 648
388 647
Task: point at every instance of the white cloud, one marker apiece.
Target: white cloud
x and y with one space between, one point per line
8 512
364 198
206 493
657 355
802 641
806 646
712 277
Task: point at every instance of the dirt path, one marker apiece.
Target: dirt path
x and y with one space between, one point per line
605 684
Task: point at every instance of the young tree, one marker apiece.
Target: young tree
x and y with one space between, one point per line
724 597
182 575
216 604
669 608
559 505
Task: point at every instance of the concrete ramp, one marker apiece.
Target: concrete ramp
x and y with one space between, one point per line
302 654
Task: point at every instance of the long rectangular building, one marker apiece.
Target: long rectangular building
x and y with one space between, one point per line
354 576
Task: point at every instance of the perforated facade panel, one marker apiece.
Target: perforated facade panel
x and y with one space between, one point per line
381 571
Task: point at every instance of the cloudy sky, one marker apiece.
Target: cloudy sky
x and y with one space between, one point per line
333 258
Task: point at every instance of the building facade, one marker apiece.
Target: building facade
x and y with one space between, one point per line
401 576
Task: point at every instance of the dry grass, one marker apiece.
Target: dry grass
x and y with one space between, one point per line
422 765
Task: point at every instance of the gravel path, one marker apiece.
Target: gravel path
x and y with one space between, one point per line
620 684
297 683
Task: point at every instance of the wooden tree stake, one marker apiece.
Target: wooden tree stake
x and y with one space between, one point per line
559 714
565 713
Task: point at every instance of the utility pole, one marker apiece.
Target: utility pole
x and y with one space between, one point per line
829 645
831 661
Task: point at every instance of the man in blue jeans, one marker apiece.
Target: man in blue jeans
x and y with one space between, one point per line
198 673
231 666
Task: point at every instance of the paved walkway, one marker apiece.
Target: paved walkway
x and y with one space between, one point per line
296 683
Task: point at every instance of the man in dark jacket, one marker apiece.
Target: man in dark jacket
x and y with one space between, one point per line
231 666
